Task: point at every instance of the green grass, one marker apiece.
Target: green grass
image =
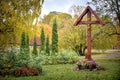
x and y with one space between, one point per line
65 72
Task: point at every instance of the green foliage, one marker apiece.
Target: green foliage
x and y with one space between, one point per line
35 47
8 59
66 57
101 36
21 60
74 38
35 62
23 42
11 61
27 43
47 46
24 47
54 38
42 40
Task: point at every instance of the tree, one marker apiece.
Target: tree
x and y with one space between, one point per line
47 46
74 38
24 47
61 18
54 38
48 18
23 42
15 16
35 46
42 39
76 10
109 7
27 43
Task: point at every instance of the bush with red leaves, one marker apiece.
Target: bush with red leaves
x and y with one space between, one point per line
33 71
24 71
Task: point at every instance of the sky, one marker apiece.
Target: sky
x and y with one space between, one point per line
60 5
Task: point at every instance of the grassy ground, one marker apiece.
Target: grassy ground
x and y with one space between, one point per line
65 72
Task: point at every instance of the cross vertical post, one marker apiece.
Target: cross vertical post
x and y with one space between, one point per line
88 55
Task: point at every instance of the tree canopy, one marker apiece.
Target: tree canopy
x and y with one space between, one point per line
15 16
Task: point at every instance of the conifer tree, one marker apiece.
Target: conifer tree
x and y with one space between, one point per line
35 46
47 46
54 38
27 43
24 47
42 40
23 43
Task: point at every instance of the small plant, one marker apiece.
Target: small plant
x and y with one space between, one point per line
24 71
33 72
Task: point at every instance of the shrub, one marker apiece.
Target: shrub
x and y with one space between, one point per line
62 58
17 72
35 62
24 71
33 72
21 59
19 64
5 72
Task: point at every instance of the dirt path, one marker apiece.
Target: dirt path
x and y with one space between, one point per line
107 54
113 54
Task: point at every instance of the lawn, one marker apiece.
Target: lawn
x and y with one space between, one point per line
65 72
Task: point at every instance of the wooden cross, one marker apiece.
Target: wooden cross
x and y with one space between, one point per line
88 11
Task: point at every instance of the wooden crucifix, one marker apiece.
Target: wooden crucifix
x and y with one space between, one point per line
88 11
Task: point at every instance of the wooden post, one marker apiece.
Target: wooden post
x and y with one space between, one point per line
88 55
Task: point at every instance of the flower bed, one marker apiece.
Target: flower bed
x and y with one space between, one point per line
88 65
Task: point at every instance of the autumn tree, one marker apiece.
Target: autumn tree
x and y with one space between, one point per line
74 38
15 16
110 8
54 38
61 18
47 18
